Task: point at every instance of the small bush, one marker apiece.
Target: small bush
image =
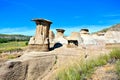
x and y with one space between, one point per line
26 43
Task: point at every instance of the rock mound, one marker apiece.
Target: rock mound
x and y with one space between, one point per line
27 67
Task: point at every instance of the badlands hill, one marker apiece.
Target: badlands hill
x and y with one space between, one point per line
112 28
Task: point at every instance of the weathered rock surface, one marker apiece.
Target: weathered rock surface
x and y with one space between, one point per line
88 39
75 36
40 42
31 66
112 36
51 36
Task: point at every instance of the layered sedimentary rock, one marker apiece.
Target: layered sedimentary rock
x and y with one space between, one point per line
40 42
113 35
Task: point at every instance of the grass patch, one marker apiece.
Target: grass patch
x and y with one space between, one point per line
117 66
84 69
11 57
11 46
115 54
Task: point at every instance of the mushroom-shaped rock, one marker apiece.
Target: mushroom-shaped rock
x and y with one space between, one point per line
59 38
40 42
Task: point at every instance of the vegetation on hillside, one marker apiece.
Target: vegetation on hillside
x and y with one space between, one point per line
6 38
82 70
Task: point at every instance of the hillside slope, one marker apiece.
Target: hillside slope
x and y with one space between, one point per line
112 28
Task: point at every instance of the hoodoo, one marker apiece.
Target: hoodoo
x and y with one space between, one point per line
40 42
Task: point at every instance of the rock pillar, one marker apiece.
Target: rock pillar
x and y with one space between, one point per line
40 42
59 38
84 31
60 32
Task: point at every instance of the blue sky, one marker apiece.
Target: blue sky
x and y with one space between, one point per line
71 15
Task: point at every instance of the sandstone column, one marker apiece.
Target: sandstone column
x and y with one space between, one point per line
84 31
40 42
59 37
60 32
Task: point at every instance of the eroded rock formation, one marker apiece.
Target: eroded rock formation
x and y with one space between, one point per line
74 39
30 66
59 38
51 36
40 42
87 38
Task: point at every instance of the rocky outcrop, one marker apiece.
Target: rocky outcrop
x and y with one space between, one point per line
28 67
51 36
74 39
87 38
40 42
112 36
109 35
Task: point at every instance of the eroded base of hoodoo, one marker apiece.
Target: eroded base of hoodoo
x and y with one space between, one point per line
38 47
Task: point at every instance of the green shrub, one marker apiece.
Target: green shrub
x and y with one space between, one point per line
26 43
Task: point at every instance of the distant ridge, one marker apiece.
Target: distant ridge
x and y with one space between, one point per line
14 37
